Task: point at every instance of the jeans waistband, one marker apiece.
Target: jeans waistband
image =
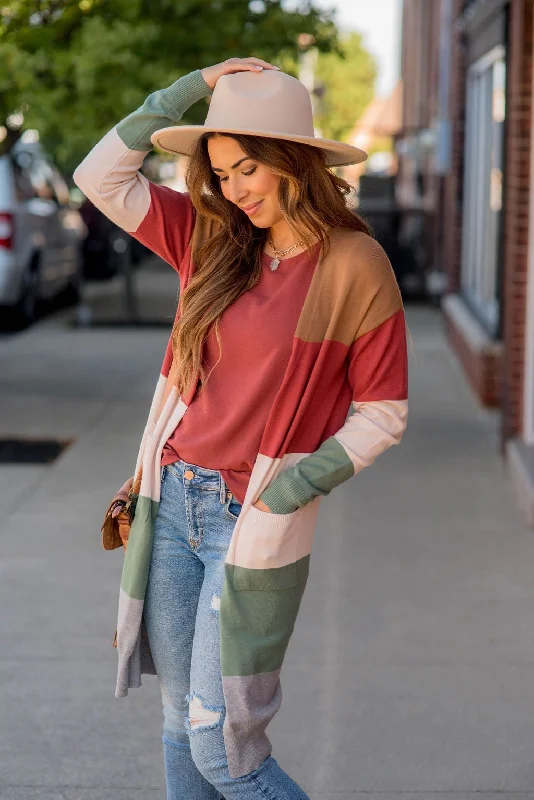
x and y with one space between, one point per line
202 477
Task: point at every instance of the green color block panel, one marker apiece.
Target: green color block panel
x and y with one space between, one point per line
256 624
316 474
139 550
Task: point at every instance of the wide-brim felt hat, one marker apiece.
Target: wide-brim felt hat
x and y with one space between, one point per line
267 103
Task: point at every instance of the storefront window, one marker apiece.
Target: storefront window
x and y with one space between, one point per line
483 179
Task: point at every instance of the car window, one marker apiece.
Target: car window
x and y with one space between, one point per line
39 174
41 178
23 185
60 187
45 181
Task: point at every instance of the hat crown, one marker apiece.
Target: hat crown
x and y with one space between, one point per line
264 101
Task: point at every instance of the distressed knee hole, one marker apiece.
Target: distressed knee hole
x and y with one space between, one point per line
201 717
216 602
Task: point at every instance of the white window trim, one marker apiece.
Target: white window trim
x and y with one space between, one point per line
495 54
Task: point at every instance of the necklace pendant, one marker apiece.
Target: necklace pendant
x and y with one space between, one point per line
274 263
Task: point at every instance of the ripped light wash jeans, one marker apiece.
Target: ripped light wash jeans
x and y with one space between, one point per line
192 532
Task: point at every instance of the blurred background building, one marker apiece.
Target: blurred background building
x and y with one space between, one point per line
464 156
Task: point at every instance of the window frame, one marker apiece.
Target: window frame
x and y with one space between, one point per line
482 217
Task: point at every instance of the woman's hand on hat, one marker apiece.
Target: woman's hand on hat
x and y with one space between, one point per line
212 74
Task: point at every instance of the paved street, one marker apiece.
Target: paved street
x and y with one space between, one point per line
411 670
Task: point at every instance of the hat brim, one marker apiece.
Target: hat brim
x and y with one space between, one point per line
181 140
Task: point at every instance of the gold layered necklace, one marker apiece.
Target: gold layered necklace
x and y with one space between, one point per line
279 254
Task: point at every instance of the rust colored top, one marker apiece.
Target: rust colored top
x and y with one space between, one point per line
217 432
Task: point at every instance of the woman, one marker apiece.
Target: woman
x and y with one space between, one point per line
288 354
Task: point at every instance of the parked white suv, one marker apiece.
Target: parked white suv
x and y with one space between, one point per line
41 233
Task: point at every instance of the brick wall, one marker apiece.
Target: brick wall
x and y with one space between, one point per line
483 369
453 184
419 65
517 200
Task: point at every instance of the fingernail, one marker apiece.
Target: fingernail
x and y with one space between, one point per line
278 68
258 67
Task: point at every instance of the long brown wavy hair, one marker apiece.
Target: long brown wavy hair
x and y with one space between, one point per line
312 199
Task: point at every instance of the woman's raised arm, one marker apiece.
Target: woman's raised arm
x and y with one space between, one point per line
159 217
109 175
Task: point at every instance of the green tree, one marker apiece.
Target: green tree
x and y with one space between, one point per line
75 68
346 82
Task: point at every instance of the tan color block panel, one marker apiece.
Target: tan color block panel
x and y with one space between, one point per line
354 290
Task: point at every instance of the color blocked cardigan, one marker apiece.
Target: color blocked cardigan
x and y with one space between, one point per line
342 402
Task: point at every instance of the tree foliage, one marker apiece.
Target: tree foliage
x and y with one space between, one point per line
347 83
75 68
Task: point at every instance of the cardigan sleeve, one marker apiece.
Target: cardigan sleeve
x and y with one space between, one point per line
159 217
377 417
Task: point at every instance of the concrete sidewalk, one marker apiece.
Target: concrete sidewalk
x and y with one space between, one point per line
411 669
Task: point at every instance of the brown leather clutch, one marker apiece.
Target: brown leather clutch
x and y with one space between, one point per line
118 519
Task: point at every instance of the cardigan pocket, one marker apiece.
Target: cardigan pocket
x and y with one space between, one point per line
266 551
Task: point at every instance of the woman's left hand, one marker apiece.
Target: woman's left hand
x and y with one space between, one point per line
260 505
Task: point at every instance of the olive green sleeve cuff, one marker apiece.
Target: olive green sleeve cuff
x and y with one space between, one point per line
183 93
316 474
160 110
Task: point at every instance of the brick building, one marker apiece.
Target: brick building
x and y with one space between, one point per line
466 154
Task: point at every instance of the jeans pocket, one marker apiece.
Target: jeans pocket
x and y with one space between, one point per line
232 507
